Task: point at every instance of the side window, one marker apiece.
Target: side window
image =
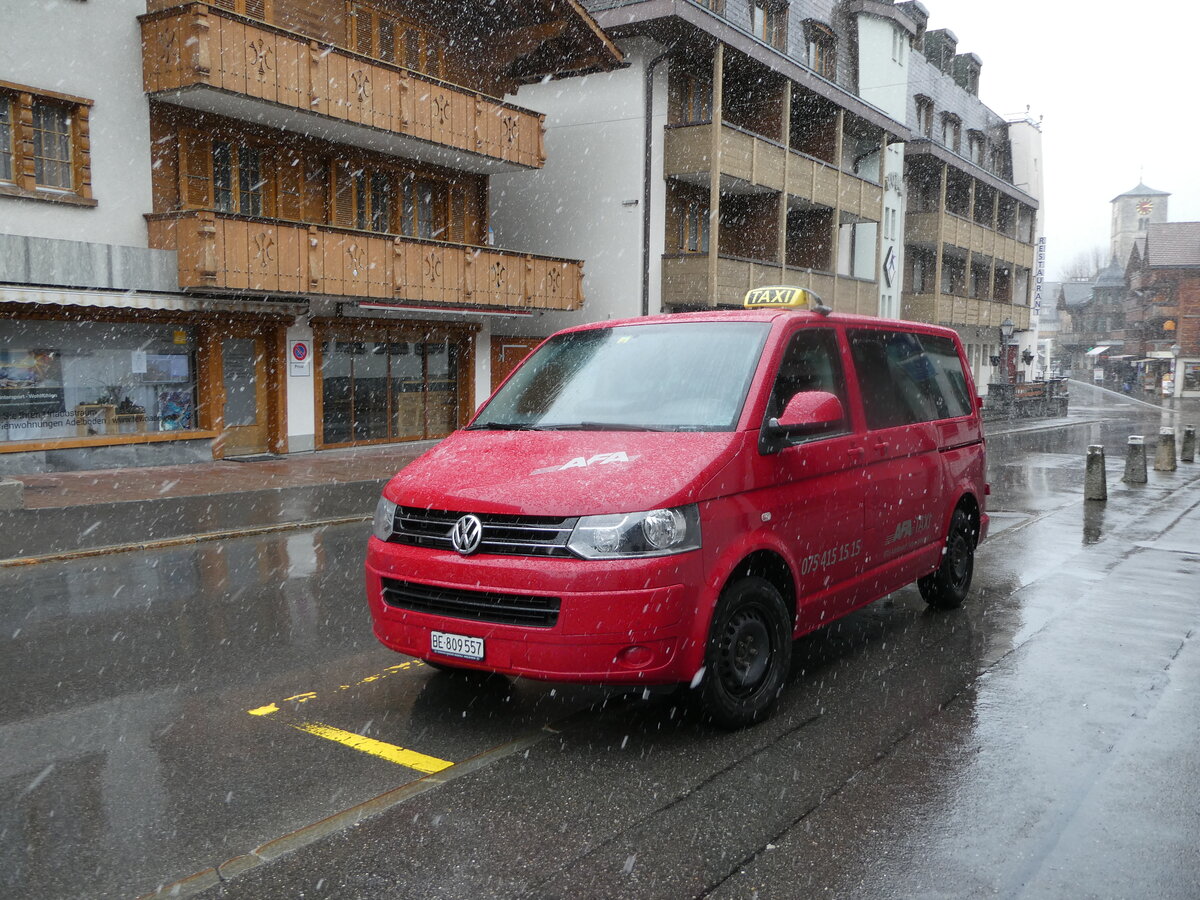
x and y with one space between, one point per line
908 378
811 363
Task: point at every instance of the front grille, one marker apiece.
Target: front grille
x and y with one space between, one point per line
504 534
478 606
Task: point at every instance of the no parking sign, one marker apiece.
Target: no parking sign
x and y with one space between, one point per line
299 358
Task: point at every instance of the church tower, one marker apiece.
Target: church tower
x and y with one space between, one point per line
1132 213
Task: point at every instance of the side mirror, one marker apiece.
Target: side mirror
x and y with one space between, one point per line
807 413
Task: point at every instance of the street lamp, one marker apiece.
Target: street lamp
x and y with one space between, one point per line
1006 333
1176 351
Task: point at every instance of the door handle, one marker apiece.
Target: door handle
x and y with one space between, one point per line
855 452
881 446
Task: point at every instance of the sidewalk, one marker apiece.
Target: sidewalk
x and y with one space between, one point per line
77 513
81 513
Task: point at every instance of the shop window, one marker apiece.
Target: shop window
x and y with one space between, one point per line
375 33
98 380
44 149
385 389
820 49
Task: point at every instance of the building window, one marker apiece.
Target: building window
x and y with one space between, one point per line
52 145
977 147
694 100
6 139
693 228
44 149
899 45
717 6
820 49
924 116
952 131
238 180
768 22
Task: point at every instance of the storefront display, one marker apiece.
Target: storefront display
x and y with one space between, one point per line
69 379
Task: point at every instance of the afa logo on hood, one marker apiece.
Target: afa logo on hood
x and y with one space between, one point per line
580 462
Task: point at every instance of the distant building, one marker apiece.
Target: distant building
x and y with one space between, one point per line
1163 308
1132 213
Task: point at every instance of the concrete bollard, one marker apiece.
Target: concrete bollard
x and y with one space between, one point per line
1135 461
1095 480
1187 453
1164 458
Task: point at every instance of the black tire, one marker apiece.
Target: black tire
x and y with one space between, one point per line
748 655
947 587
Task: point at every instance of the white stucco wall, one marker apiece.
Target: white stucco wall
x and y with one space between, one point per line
586 203
883 82
96 54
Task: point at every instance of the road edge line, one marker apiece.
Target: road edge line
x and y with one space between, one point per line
182 540
197 882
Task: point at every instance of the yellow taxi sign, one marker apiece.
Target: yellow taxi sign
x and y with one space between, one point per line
781 296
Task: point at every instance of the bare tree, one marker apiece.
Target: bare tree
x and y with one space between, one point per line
1085 266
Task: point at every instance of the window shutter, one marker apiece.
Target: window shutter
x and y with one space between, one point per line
360 25
269 173
343 195
256 9
387 39
458 215
195 170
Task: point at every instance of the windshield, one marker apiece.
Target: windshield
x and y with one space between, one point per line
671 377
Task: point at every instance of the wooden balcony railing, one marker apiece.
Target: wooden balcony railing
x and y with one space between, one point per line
762 162
199 46
230 253
924 228
947 309
686 282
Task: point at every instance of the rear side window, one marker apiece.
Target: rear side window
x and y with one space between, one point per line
907 378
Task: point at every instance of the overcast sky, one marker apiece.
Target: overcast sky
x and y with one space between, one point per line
1116 88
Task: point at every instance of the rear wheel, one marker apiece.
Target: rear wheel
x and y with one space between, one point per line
947 587
749 652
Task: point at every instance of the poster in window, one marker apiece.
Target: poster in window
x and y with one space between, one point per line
30 383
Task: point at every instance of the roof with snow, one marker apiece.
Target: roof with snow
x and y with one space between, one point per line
1141 191
1173 244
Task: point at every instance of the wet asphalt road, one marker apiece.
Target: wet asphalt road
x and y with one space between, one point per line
160 710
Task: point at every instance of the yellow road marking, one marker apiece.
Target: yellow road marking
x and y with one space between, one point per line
312 695
390 752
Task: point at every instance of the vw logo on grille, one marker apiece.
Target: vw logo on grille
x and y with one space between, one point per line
466 535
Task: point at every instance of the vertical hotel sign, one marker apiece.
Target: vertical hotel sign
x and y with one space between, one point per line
1039 276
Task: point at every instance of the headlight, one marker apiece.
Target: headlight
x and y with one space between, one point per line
656 533
385 518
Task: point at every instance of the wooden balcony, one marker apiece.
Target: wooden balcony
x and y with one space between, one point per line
206 58
228 253
747 159
687 282
926 227
947 309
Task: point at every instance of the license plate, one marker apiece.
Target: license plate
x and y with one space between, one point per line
456 645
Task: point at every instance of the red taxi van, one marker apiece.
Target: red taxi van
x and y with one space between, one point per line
674 499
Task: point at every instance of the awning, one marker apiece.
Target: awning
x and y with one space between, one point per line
144 300
1096 351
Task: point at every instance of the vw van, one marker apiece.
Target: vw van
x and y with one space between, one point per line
675 499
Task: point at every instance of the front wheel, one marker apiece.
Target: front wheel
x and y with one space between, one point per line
947 587
748 655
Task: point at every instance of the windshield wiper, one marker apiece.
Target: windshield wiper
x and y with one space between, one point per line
605 426
504 426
